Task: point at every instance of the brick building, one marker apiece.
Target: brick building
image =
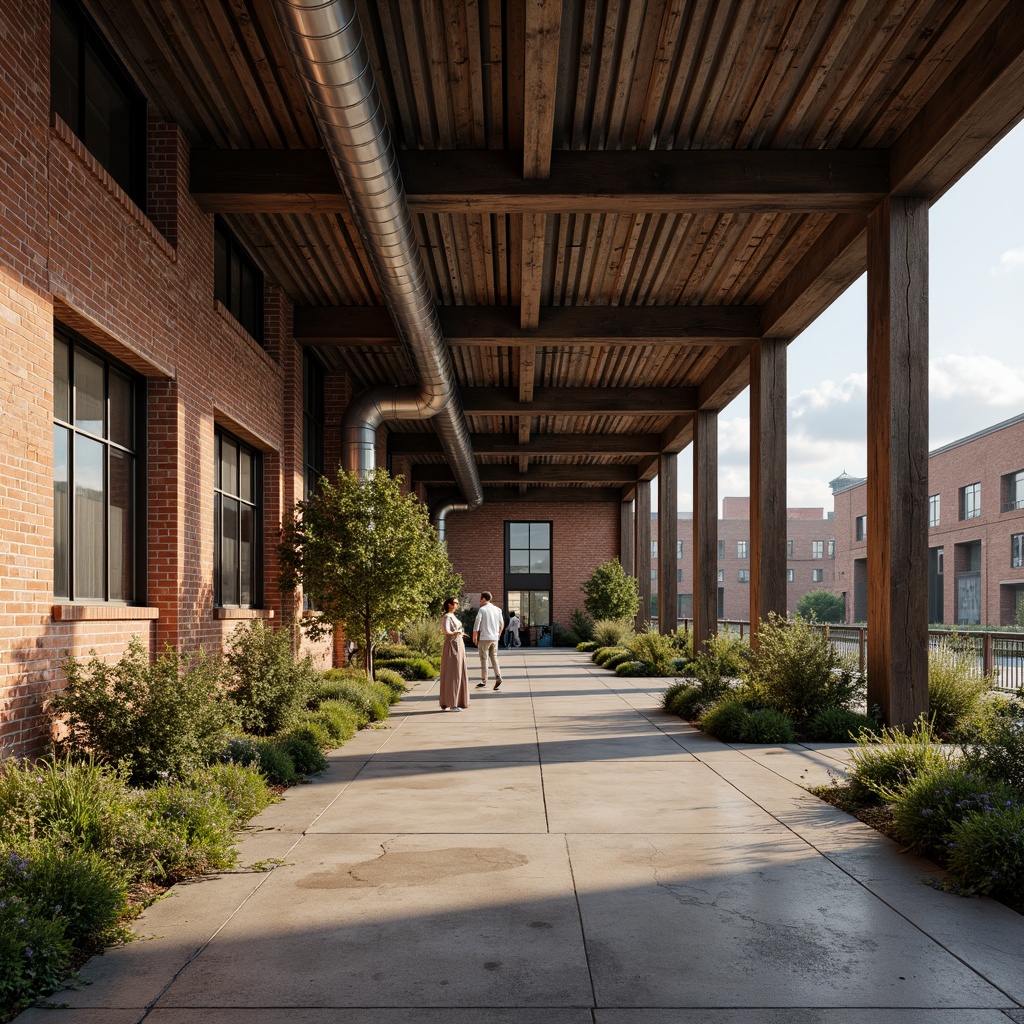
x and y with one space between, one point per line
975 531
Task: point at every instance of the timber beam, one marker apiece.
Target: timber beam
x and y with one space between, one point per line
580 401
413 445
485 181
339 326
618 476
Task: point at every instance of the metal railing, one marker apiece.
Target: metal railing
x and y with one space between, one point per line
997 654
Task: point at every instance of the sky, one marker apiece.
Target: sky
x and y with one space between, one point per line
976 345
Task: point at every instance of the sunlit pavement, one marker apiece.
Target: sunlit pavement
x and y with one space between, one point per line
562 852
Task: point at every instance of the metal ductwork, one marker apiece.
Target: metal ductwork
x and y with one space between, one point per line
439 515
331 57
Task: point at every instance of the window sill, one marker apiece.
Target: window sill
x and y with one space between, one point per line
243 613
102 613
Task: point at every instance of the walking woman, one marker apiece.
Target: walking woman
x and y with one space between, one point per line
454 677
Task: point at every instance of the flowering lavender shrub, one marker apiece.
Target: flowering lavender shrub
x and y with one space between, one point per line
986 851
34 954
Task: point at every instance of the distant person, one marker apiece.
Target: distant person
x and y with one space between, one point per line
486 634
512 631
454 677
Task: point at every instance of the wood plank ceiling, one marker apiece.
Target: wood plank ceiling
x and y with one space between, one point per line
614 199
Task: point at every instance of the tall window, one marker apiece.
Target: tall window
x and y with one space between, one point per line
679 549
95 492
312 422
862 528
529 549
1013 491
237 281
790 576
237 532
654 549
741 549
817 549
1017 551
528 571
789 549
721 549
831 549
93 95
744 576
933 510
817 575
721 575
679 575
970 501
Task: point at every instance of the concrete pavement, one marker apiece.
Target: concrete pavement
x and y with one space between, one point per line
561 853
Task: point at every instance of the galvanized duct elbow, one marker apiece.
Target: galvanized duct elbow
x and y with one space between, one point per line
439 515
331 57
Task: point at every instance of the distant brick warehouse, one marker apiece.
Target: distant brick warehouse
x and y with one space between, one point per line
975 532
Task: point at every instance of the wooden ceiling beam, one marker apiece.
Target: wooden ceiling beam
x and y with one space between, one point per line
558 325
546 474
412 445
484 181
580 401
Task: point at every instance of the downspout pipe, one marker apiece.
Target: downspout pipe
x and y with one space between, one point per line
331 57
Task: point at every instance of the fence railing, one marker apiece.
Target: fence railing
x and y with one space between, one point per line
997 654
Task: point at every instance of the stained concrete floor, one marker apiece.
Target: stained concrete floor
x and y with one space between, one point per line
561 853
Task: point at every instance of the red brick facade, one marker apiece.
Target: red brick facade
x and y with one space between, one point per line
979 583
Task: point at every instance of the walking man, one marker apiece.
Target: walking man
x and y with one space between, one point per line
512 631
486 633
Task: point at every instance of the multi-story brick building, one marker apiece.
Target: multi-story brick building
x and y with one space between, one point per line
975 532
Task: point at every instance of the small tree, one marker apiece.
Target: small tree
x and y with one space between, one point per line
822 606
367 556
611 594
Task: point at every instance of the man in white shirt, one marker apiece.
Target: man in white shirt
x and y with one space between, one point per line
512 631
486 633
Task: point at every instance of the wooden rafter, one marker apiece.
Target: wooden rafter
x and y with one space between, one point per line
413 445
583 401
548 474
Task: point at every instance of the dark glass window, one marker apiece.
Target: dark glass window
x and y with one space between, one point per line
1017 550
95 474
529 549
861 527
237 281
970 501
237 512
817 575
721 549
744 576
934 506
313 416
93 95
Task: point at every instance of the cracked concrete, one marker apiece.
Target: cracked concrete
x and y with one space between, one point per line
562 853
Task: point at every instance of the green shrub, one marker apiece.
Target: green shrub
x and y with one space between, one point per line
34 954
266 682
276 765
614 660
632 669
192 831
690 702
340 719
564 637
671 692
955 687
837 725
613 632
611 593
412 668
370 698
243 788
999 756
928 807
726 720
796 671
310 731
883 765
681 666
587 646
602 654
986 852
766 725
682 642
305 754
582 625
78 887
657 652
423 637
730 651
169 717
392 680
334 682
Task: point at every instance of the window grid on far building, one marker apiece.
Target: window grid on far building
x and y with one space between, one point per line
744 576
933 510
817 575
862 528
790 576
1017 551
970 501
237 529
817 549
741 549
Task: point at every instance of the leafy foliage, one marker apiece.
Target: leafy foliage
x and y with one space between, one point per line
883 765
267 683
603 654
411 668
999 756
582 625
796 671
632 669
170 717
366 555
726 720
34 953
766 725
303 745
822 606
611 594
955 687
837 725
986 851
613 632
656 652
393 681
423 636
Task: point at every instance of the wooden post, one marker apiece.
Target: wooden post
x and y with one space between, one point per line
643 550
767 481
668 534
627 538
897 486
705 528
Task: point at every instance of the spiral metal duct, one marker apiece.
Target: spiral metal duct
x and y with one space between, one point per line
331 57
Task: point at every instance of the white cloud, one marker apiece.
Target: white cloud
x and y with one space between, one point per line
977 377
1012 260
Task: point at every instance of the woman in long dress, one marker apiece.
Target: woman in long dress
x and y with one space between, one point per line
454 677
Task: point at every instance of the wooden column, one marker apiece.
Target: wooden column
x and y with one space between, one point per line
705 528
643 550
668 534
767 481
627 538
897 507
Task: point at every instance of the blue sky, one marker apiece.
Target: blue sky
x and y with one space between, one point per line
976 344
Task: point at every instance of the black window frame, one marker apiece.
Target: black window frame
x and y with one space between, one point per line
314 418
138 545
257 504
970 501
934 509
861 527
89 38
1017 550
223 278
